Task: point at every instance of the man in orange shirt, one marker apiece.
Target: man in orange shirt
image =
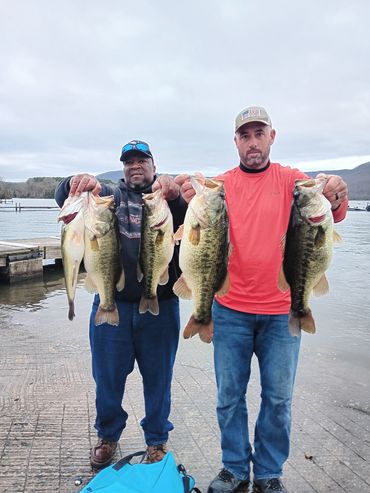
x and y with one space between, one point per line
253 316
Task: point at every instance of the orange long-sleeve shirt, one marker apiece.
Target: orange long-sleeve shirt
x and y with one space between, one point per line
259 205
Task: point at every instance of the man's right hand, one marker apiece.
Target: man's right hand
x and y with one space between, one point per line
186 188
84 183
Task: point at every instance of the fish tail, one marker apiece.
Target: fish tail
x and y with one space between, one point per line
107 315
305 322
293 325
149 305
193 327
71 312
206 332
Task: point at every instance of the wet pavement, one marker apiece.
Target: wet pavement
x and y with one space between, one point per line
47 408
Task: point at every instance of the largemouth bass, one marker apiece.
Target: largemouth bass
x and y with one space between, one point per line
102 258
156 249
89 233
73 244
307 252
204 252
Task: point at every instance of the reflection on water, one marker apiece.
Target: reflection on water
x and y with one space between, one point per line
42 302
31 294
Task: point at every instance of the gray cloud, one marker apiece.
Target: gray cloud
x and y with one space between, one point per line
79 79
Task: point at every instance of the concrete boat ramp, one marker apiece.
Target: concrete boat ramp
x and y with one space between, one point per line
47 409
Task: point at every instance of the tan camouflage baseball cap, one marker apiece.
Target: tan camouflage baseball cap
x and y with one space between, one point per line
252 114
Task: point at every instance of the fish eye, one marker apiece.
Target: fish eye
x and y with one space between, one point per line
296 194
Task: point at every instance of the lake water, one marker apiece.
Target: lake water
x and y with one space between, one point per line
342 316
28 223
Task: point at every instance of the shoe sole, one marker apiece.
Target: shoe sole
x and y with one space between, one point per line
101 465
242 487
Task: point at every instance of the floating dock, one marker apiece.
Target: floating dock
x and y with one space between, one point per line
18 207
24 259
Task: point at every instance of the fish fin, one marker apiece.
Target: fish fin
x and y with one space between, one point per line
90 285
322 287
293 325
181 288
94 244
164 277
206 332
121 281
197 182
179 234
75 272
140 274
305 322
159 239
149 305
194 235
282 282
200 178
107 316
337 237
71 312
320 237
194 327
225 286
213 183
282 243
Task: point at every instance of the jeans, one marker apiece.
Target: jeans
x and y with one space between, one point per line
150 340
236 337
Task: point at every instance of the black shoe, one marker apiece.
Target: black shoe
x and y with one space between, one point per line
268 486
226 482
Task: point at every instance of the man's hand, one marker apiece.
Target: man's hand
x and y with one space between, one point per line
84 183
170 189
336 190
186 188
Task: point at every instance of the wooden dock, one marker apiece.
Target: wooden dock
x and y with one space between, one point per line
23 259
17 207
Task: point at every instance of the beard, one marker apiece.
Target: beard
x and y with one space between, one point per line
256 160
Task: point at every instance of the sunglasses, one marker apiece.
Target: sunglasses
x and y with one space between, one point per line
139 146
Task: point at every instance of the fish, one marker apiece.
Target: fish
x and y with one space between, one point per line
203 256
307 251
156 249
94 237
73 245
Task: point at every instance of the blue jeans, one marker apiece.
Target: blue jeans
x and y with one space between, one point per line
150 340
236 337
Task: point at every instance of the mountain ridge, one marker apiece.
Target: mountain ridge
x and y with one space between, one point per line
358 179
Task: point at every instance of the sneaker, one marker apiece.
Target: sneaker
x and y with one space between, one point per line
155 453
226 482
268 486
102 453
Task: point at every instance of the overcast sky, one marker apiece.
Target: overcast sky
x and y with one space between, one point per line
78 79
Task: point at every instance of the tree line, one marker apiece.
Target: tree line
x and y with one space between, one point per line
38 187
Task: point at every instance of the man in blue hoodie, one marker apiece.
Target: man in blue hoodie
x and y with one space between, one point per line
151 340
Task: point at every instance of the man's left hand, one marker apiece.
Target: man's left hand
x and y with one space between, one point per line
336 190
170 189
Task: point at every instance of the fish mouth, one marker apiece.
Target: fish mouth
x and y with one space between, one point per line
68 218
316 219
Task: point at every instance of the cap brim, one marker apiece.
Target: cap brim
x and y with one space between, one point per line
124 155
252 120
